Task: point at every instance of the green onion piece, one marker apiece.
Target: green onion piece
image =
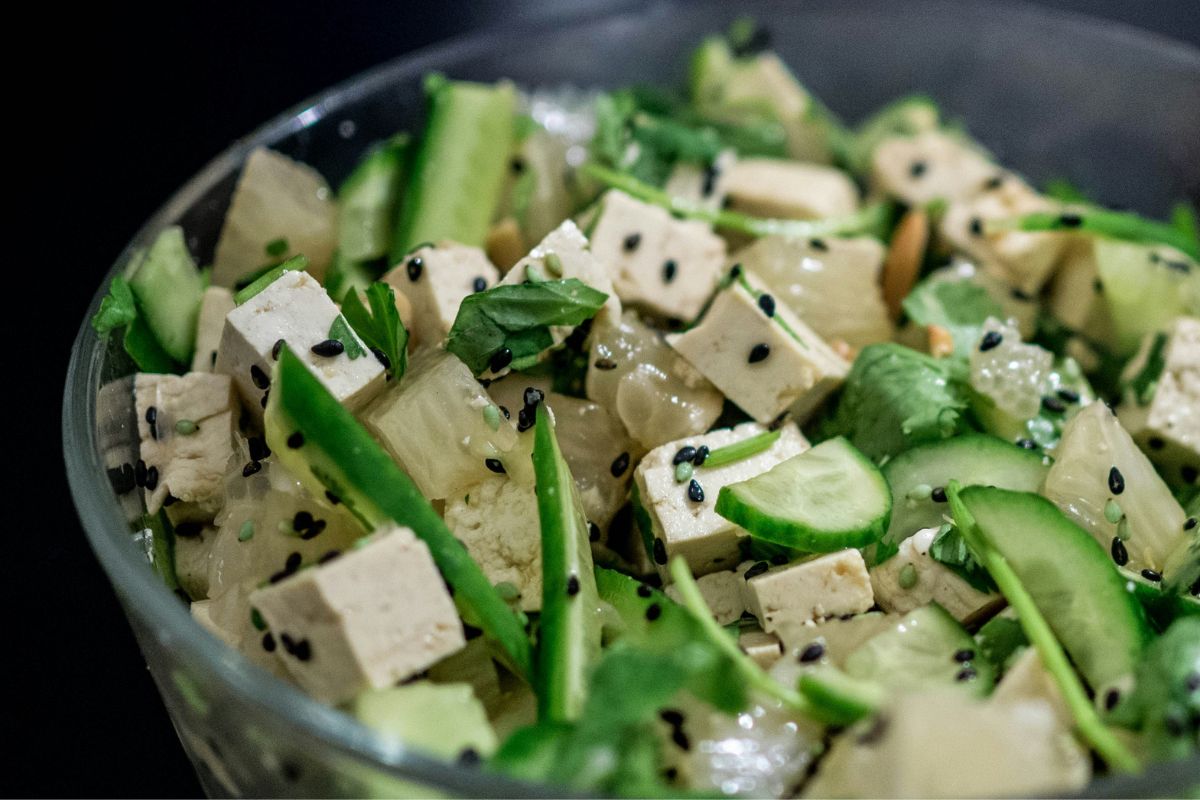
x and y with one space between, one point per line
874 219
743 449
1115 224
297 263
1037 630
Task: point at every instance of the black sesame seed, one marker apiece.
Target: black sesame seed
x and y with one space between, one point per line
494 465
1116 481
680 739
938 495
1018 294
619 465
759 352
917 169
1097 286
1189 523
328 348
976 226
251 468
631 242
188 530
1188 473
381 357
695 491
605 364
302 521
169 500
1152 575
330 556
686 453
293 562
414 267
1053 404
990 340
818 244
303 650
531 396
266 395
258 448
757 569
671 716
314 530
966 674
469 757
1179 266
701 456
258 377
139 473
1120 555
268 642
275 348
735 272
526 417
1070 220
660 552
994 182
1155 443
151 415
1111 698
479 284
767 303
517 165
593 532
505 412
811 653
1068 395
212 358
964 655
572 586
122 478
670 774
296 440
669 270
1027 444
152 478
644 591
653 612
500 359
709 184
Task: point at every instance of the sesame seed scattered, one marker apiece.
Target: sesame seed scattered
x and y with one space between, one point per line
469 757
695 491
701 455
990 340
994 182
755 570
917 169
593 532
1189 523
619 465
631 242
293 562
767 303
500 359
275 348
669 270
1189 473
258 448
1027 444
479 284
1116 481
303 650
938 494
644 591
735 272
818 244
709 184
660 552
1070 220
653 612
1053 404
295 440
517 165
414 267
966 674
330 556
976 226
122 478
1111 698
572 586
268 642
686 453
329 348
303 520
811 653
1152 575
382 358
1068 395
759 352
680 739
605 364
152 478
964 655
494 465
505 412
251 468
1120 555
258 377
265 397
1097 286
1155 443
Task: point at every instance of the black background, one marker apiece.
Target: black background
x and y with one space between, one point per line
138 101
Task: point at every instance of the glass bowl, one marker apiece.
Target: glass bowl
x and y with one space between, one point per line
1052 94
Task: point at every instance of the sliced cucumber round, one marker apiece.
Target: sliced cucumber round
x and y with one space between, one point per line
918 478
839 699
825 499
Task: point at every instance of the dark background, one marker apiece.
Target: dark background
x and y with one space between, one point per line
143 101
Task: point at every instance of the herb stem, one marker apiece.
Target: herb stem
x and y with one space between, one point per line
1116 224
743 449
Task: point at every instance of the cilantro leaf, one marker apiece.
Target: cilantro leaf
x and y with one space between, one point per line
117 309
960 307
518 317
950 549
381 328
341 331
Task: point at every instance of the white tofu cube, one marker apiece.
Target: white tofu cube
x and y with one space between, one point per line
1026 260
1028 679
702 186
933 582
1168 426
825 586
296 310
277 200
769 187
186 424
760 354
722 593
693 529
762 647
663 265
497 521
435 279
932 165
372 617
216 303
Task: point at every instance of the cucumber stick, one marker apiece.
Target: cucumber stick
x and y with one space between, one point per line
569 638
460 167
367 201
825 499
320 442
168 288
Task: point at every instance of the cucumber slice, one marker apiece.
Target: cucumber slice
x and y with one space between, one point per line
1069 577
918 478
460 167
825 499
569 638
440 719
1161 605
332 454
367 201
1146 288
840 699
168 288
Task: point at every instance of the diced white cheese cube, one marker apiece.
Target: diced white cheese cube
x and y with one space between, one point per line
372 617
693 529
436 279
216 303
566 253
760 354
769 187
933 165
186 424
664 265
722 593
277 201
762 647
1168 427
931 582
497 521
702 186
296 310
828 585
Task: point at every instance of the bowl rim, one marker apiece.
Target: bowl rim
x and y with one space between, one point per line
125 564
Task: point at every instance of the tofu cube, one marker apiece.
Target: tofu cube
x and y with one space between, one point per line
1025 260
769 187
186 427
435 279
760 354
368 619
935 583
216 303
722 593
297 310
693 529
825 586
932 165
702 186
1028 679
1168 426
497 521
762 647
665 266
277 200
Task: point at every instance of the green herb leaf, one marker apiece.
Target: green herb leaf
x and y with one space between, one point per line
341 331
1123 225
117 308
381 329
949 548
960 307
276 247
272 274
742 450
518 317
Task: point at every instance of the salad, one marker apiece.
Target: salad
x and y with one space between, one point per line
656 441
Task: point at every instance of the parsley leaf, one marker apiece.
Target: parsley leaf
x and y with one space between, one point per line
341 331
958 306
381 328
518 317
950 549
